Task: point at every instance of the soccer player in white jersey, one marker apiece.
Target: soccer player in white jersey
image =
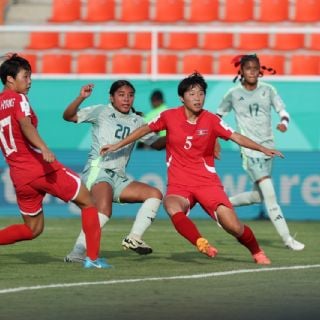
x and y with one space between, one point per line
105 176
252 102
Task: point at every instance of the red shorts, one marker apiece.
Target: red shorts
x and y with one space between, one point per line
63 184
209 197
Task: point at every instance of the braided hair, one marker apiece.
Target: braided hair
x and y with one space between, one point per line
240 60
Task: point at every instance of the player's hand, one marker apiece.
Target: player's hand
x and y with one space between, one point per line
108 148
282 127
272 153
48 155
86 90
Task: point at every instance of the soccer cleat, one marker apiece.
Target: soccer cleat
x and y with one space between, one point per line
204 247
78 254
293 244
261 258
139 246
98 263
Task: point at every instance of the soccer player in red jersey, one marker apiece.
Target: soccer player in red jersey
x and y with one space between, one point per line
192 178
34 170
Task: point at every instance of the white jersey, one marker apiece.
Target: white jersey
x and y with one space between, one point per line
253 113
108 127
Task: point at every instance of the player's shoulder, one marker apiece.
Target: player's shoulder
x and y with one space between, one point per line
266 85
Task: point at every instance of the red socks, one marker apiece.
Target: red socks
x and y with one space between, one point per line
15 233
249 240
92 231
185 227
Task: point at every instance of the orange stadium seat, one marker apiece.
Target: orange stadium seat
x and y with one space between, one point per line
78 40
112 40
32 58
225 66
238 10
217 41
167 64
276 62
43 40
288 41
168 10
126 63
253 41
134 10
314 42
200 63
3 5
179 41
91 63
305 65
56 63
141 41
100 10
203 11
65 10
307 11
273 10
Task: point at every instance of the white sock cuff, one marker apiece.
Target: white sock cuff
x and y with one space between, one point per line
103 219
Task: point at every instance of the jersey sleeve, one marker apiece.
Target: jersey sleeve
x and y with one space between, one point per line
89 114
225 105
223 130
276 100
22 107
159 122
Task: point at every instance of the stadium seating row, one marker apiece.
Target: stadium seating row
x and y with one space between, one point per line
166 11
172 41
167 64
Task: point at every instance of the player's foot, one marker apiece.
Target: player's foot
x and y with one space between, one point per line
139 246
261 258
293 244
78 254
98 263
206 248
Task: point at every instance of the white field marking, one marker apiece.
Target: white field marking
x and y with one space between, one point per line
192 276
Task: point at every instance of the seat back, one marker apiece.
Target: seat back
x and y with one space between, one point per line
56 63
65 10
168 11
91 63
238 10
99 10
202 11
197 62
112 40
39 40
134 10
167 64
126 63
306 11
273 10
78 40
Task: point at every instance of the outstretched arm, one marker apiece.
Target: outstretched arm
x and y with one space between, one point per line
248 143
134 136
32 135
70 113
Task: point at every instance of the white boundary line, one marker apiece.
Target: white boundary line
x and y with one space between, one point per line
194 276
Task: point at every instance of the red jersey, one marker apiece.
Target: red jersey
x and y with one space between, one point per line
190 146
24 160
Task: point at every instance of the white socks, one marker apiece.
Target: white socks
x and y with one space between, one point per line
273 209
267 193
145 217
80 245
246 198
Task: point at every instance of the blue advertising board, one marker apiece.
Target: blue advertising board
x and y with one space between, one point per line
296 179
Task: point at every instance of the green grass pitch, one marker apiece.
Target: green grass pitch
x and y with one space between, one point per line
174 282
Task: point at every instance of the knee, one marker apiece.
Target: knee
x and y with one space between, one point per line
156 193
37 230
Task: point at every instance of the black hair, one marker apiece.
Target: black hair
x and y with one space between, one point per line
195 79
156 95
241 60
12 66
120 83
